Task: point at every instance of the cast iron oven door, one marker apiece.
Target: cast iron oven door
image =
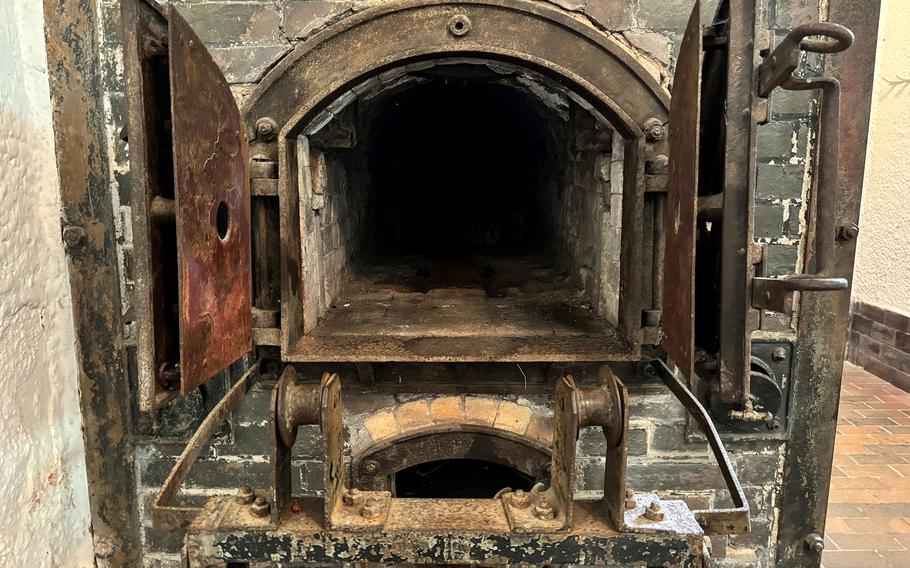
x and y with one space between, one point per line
191 207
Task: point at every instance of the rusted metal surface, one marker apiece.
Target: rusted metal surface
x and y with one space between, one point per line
682 201
818 360
715 521
739 131
154 243
777 71
616 430
375 466
212 188
373 526
71 29
414 534
165 514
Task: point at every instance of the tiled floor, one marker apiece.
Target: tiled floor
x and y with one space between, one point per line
869 507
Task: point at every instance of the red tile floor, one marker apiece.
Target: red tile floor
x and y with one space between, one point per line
869 506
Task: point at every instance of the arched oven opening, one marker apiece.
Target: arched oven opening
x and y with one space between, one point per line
458 479
460 209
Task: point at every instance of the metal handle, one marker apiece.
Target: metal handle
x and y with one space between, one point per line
777 71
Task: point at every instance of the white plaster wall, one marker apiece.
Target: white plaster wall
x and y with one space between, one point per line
44 512
883 261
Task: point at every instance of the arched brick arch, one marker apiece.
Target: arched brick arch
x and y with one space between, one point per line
512 433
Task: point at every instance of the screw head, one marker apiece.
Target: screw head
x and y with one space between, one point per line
370 467
779 354
245 495
73 236
260 507
543 510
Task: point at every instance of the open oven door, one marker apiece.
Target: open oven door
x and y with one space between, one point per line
189 160
709 256
678 318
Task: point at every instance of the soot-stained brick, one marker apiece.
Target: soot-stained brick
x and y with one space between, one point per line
780 181
302 17
775 140
226 24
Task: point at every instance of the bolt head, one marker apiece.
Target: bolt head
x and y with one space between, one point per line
266 128
779 354
260 507
654 512
245 495
350 496
520 499
654 130
370 467
543 510
815 542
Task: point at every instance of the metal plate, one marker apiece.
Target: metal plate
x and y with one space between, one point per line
211 161
682 196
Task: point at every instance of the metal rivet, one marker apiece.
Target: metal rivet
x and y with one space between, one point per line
459 25
73 236
779 354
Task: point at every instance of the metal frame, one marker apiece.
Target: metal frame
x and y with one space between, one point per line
374 526
332 64
819 355
88 234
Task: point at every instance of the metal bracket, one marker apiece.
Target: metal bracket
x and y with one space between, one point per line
777 71
543 511
165 514
714 521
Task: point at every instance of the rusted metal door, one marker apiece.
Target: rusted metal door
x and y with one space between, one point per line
682 197
191 202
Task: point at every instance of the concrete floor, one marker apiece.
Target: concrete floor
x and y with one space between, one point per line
869 506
